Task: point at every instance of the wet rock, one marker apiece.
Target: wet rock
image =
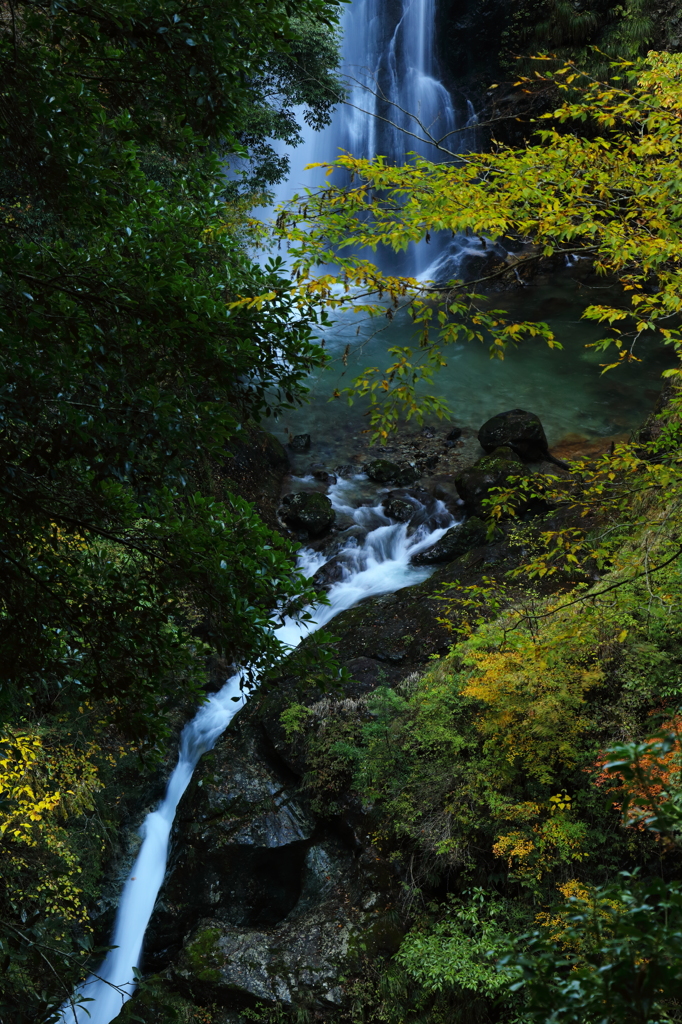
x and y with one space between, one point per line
382 471
455 542
260 901
474 484
300 443
322 474
428 432
400 507
454 434
309 511
430 518
346 471
521 431
329 573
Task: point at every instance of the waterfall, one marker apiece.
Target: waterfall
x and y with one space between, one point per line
379 564
396 101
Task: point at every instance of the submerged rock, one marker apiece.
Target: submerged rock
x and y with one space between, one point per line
308 511
454 543
321 473
474 484
521 431
300 443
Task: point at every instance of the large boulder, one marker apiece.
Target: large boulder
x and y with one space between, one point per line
296 961
474 484
239 845
261 900
310 511
521 431
454 543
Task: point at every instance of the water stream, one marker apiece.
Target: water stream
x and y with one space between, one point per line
394 85
376 562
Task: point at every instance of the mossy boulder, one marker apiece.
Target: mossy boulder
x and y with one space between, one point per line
400 506
474 484
309 511
383 471
521 431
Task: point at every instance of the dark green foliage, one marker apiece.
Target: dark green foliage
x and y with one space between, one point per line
616 959
125 371
588 33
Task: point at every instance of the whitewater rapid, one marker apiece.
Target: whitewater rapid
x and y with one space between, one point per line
375 562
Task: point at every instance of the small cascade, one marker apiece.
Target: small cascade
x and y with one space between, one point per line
375 562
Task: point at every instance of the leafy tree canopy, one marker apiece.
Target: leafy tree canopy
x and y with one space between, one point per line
124 370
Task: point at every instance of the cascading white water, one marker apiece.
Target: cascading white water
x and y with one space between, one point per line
396 104
377 564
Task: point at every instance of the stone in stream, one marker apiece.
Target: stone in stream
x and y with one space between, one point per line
454 543
383 471
309 511
474 484
400 507
321 473
521 431
300 443
328 574
454 434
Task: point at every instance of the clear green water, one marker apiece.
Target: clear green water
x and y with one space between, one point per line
566 389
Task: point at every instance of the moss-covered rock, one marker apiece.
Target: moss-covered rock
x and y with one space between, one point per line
309 511
474 484
383 471
521 430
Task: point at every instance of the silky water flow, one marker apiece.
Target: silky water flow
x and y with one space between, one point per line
390 64
379 563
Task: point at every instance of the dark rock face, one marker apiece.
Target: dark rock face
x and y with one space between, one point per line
455 542
308 511
260 902
382 471
300 443
454 434
474 484
521 431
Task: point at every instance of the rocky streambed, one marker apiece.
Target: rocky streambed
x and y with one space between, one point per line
275 885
